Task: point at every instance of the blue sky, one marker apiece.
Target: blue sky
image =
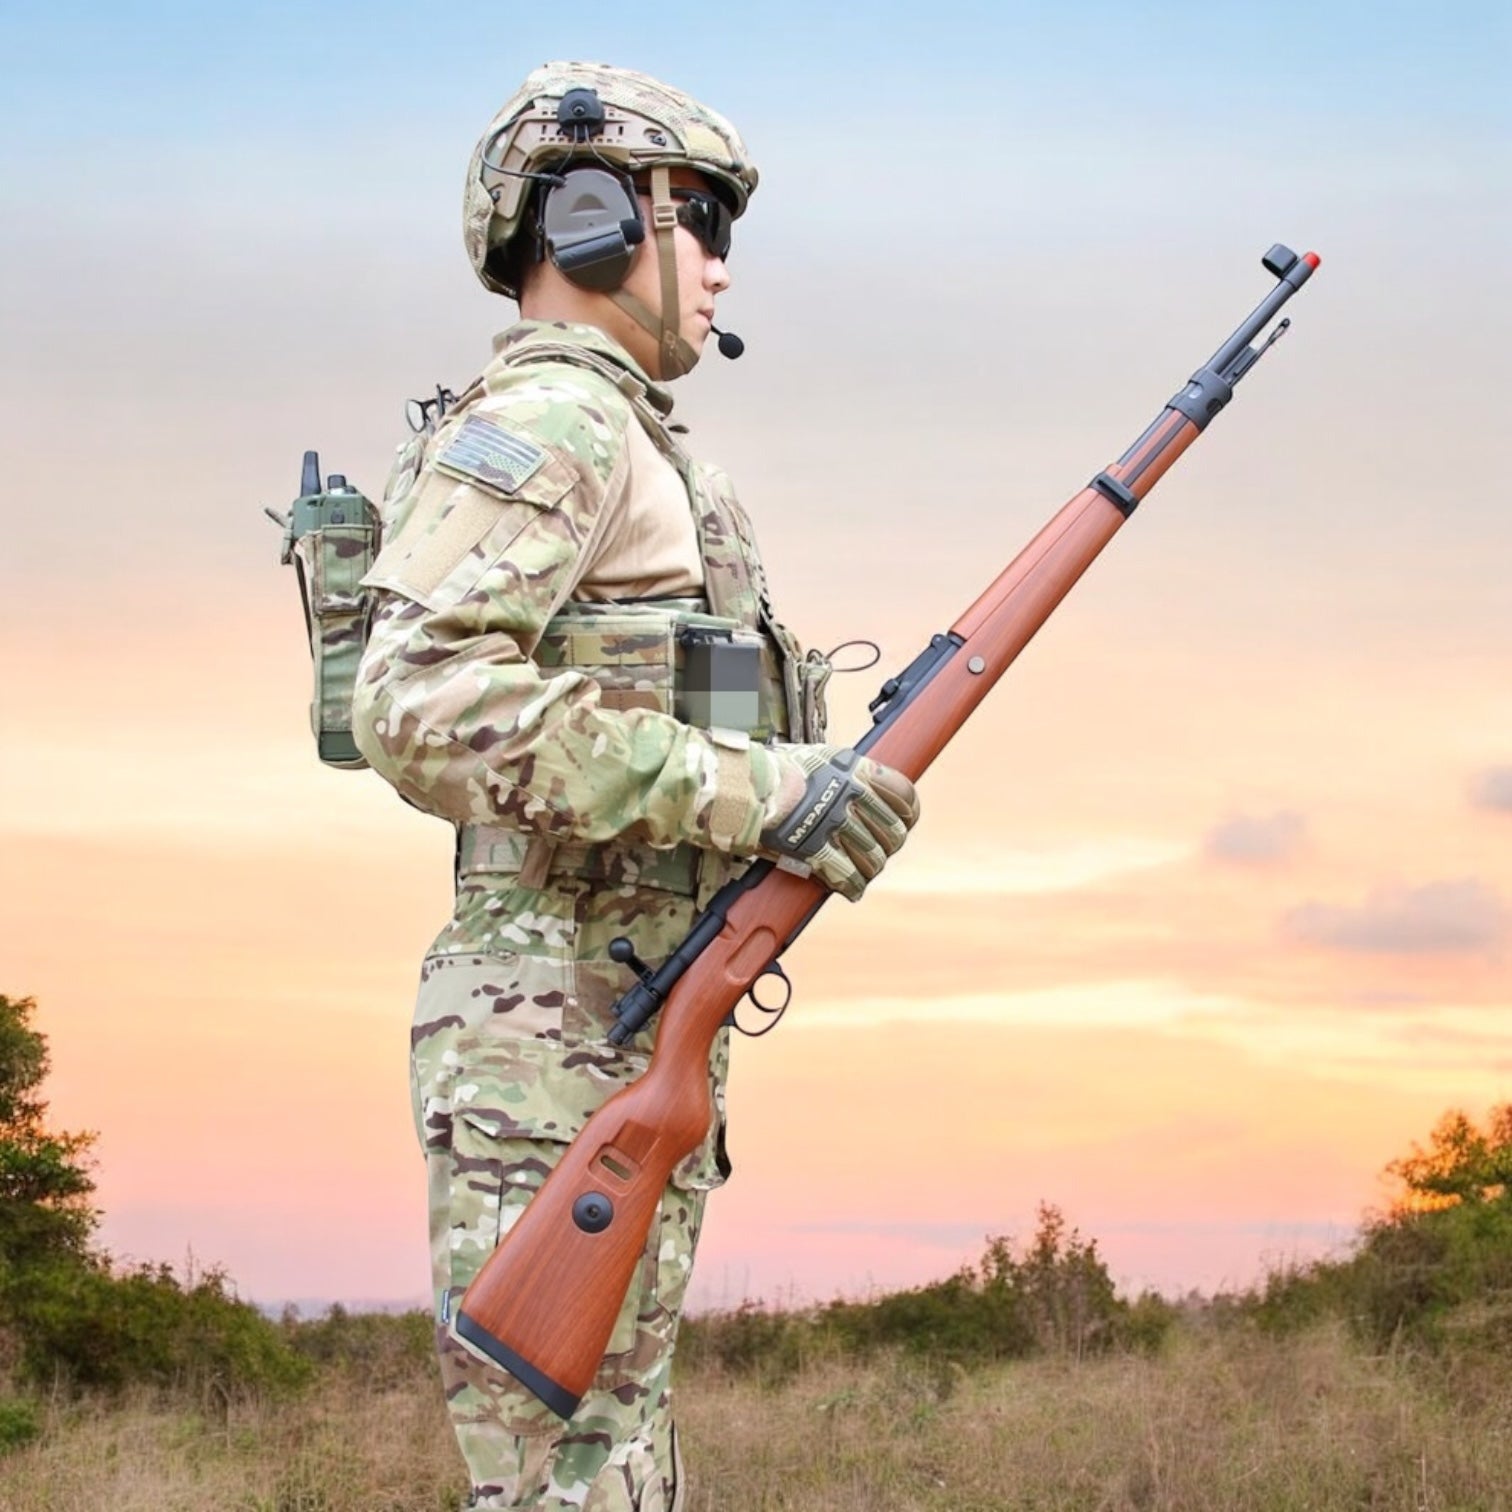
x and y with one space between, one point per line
131 73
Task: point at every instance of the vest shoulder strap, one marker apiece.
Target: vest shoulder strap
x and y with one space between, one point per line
628 385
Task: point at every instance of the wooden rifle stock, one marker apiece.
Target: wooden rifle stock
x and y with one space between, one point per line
545 1302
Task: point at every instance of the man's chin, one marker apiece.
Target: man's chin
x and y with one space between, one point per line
693 342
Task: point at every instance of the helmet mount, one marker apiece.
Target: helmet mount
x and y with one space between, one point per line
582 114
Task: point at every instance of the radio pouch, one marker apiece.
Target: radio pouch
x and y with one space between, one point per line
331 535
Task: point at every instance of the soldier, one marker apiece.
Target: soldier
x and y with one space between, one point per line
573 659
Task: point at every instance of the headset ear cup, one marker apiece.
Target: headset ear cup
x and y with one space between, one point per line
591 223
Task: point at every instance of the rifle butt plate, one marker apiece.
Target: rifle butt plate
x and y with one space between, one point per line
480 1341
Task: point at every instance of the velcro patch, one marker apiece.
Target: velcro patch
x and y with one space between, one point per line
490 455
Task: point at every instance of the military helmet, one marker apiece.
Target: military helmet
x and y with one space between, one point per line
645 124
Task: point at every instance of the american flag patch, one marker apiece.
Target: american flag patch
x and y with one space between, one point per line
495 457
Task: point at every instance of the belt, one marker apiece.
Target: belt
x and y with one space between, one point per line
485 848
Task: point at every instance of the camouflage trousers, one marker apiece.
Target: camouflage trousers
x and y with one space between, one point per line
509 1060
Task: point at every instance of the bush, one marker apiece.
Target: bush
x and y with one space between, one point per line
1145 1324
964 1318
88 1326
385 1349
752 1341
18 1423
1439 1264
1055 1297
1416 1271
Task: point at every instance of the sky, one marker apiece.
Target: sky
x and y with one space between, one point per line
1209 914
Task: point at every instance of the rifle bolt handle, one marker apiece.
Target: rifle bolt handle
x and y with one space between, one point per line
622 951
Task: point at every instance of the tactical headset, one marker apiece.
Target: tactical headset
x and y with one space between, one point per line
591 225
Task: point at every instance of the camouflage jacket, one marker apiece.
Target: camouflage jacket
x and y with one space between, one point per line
555 483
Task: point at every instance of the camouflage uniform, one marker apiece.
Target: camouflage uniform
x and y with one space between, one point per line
522 680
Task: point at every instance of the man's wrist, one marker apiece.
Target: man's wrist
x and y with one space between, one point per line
779 782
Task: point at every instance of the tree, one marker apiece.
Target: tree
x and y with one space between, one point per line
1071 1296
1464 1165
45 1184
67 1313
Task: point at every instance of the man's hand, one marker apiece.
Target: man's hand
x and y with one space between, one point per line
838 814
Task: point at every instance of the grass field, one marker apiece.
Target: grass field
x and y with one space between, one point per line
1222 1418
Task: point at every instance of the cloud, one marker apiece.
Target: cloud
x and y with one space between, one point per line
1492 789
1462 917
1085 1004
1257 841
1387 997
1059 869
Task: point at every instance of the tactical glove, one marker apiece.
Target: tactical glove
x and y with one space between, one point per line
836 814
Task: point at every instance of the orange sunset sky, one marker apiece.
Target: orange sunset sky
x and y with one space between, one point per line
1210 910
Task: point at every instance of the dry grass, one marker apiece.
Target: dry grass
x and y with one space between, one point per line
1220 1423
339 1449
1223 1421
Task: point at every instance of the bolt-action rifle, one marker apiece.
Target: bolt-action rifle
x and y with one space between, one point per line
544 1304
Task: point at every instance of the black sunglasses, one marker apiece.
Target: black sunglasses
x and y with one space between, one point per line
707 217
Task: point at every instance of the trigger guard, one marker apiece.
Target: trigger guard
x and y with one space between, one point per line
774 1011
774 970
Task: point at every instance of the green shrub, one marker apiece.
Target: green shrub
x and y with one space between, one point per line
1414 1278
1054 1297
1415 1271
89 1326
1146 1323
964 1318
385 1349
19 1423
752 1341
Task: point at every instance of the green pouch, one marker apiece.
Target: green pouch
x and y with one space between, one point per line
813 674
331 536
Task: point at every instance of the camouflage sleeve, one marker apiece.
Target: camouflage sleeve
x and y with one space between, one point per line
449 706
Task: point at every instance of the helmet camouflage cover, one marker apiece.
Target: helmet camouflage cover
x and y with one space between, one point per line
647 124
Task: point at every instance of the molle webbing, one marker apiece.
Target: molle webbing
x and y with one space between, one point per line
494 849
669 656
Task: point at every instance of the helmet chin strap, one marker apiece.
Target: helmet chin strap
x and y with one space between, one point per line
674 355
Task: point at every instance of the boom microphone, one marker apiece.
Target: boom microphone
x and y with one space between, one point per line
730 345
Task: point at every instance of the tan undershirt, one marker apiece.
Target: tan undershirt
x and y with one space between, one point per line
648 547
